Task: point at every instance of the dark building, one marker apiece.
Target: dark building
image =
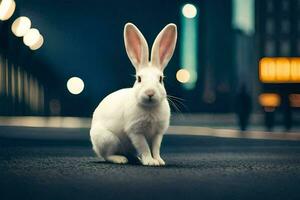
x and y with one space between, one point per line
278 28
278 36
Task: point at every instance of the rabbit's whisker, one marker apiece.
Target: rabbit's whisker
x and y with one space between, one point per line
178 101
174 105
174 97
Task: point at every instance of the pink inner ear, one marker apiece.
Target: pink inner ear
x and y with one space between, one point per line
134 44
165 45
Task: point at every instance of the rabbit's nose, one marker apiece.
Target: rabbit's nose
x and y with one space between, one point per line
150 93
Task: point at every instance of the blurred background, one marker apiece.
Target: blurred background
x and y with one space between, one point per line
237 62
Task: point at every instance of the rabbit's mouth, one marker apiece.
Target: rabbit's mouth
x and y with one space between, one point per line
149 102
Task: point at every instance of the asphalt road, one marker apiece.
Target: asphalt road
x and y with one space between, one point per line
197 168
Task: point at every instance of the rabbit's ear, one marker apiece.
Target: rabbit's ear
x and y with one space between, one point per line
136 46
163 46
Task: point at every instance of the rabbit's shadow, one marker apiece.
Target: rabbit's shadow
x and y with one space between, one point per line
133 161
102 162
138 164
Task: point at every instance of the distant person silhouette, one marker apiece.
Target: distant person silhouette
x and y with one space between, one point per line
243 107
287 112
269 118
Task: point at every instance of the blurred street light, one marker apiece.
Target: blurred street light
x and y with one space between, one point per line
38 44
189 11
183 76
269 100
75 85
21 26
31 37
7 9
189 47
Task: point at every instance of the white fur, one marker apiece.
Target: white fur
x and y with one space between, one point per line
129 121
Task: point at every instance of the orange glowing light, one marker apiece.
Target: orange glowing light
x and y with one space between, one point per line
295 69
279 70
267 69
269 100
295 100
282 69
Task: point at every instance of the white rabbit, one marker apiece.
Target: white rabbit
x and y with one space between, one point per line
132 121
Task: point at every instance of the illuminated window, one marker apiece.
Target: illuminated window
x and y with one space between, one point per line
270 48
267 71
285 48
270 26
282 69
279 70
295 69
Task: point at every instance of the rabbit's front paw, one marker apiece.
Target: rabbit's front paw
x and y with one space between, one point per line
149 161
160 161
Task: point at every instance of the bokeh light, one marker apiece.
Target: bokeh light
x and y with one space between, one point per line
31 37
75 85
21 26
38 44
183 76
279 70
189 11
7 9
269 100
282 69
295 70
294 100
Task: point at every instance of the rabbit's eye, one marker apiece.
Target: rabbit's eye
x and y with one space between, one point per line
160 79
139 79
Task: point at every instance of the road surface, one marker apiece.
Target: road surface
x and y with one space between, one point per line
198 167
